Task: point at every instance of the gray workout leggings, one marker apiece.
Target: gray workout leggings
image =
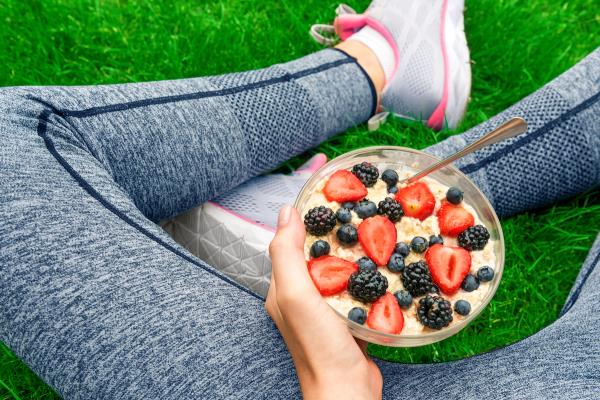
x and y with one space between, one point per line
101 303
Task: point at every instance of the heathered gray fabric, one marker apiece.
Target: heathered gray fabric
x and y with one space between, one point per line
102 304
97 299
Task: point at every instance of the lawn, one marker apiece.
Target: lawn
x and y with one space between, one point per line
516 47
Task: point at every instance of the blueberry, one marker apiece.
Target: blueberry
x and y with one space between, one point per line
343 215
404 298
485 274
366 209
470 283
396 263
454 195
392 189
358 315
390 177
419 244
402 249
349 205
435 239
319 248
366 263
347 234
462 307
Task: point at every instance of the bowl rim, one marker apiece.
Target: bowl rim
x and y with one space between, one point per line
444 333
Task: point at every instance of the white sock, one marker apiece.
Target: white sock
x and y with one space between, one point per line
382 49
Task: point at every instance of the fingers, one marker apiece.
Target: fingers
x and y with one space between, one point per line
287 256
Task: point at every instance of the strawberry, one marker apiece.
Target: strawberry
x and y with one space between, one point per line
448 266
453 219
343 186
330 274
385 315
417 200
377 236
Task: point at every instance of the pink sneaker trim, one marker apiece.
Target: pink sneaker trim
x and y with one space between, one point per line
316 162
436 120
347 24
268 228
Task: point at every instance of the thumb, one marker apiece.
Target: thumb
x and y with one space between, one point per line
287 254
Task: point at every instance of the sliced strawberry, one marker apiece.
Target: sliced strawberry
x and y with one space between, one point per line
343 185
330 274
417 200
453 219
377 236
385 315
448 266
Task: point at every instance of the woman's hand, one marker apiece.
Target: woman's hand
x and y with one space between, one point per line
330 363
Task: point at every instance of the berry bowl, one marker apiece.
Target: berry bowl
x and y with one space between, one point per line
403 265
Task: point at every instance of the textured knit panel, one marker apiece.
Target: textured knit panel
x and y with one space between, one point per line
558 157
95 297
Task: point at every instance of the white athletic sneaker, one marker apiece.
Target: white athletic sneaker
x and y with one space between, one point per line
431 76
232 233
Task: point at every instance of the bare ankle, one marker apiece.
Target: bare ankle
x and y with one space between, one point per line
367 59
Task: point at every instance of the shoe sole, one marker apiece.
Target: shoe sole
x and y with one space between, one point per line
232 245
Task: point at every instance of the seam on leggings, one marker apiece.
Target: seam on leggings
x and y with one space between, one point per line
573 298
42 125
369 80
470 168
93 111
42 132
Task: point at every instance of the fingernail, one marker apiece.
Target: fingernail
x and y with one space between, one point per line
284 216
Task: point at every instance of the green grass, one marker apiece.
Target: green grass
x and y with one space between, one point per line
516 47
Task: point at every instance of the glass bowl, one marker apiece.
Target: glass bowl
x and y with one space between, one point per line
402 158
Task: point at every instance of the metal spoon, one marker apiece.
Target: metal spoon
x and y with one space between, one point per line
513 127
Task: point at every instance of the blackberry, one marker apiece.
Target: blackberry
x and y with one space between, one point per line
365 209
434 312
485 274
474 238
390 177
358 315
392 189
462 307
404 298
319 248
319 220
343 215
417 279
435 239
366 172
419 244
390 208
347 234
402 249
454 195
366 263
396 263
367 286
470 283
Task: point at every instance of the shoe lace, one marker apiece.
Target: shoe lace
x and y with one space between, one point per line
325 33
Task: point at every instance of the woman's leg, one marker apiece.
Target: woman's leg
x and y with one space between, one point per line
97 299
172 145
557 158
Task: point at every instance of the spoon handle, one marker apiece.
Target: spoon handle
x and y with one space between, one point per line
513 127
